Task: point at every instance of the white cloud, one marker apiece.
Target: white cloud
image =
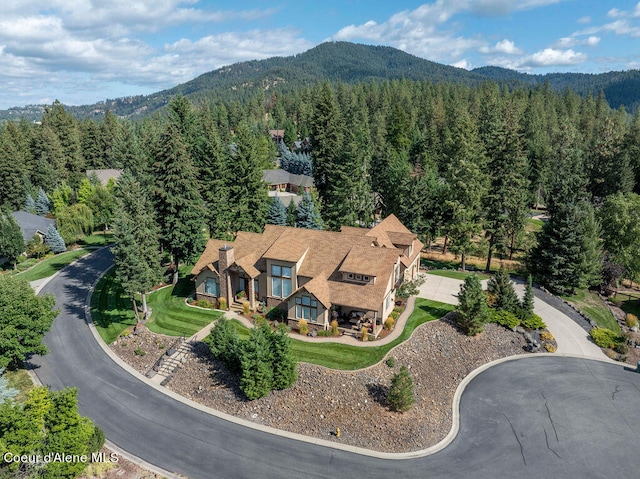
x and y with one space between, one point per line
569 42
464 63
554 57
584 20
504 46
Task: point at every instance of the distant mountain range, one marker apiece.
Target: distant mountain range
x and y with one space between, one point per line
349 63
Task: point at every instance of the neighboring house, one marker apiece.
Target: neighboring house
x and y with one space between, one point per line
104 175
302 145
281 180
286 198
277 136
31 224
311 274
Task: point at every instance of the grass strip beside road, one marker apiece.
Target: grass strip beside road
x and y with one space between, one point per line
52 265
111 309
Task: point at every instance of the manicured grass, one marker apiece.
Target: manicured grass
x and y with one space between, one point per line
347 357
20 380
52 265
590 304
457 274
534 225
97 238
449 269
111 309
172 316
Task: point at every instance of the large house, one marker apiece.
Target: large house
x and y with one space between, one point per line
313 275
31 225
281 180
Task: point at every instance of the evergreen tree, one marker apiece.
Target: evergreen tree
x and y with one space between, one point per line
465 183
13 173
248 198
283 363
53 239
42 204
48 159
178 202
224 344
526 307
277 212
501 287
23 323
307 214
401 395
292 213
506 201
136 254
11 240
256 378
621 214
30 204
473 311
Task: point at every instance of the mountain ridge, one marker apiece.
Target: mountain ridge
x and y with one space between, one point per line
349 63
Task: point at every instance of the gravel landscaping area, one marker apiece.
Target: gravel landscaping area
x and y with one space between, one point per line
438 356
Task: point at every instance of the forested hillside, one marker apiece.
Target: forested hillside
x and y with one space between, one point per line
348 63
451 161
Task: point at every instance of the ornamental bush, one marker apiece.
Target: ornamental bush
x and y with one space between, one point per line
302 327
605 338
389 323
504 318
334 328
534 322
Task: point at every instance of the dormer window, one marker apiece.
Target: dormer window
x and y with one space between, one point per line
358 277
350 276
366 278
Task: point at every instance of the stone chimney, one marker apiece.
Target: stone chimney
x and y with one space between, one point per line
226 257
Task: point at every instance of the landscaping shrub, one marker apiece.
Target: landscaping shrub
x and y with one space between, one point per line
546 336
140 352
504 318
334 331
389 323
324 333
621 347
391 361
632 320
246 307
302 327
203 303
224 344
222 303
411 288
364 334
473 311
550 348
394 314
534 322
400 396
605 338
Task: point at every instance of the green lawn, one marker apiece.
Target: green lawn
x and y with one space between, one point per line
534 225
448 269
590 304
97 238
172 316
111 309
53 264
347 357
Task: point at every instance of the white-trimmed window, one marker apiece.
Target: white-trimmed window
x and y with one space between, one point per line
212 286
388 303
306 308
350 275
396 274
280 281
366 278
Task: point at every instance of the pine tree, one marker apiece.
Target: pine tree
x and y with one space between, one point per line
283 363
48 159
526 307
179 206
248 198
42 204
224 344
501 286
307 215
30 204
13 172
401 395
136 254
292 213
11 240
473 311
53 239
277 213
256 378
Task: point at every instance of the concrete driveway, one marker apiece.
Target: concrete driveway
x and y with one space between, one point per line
535 416
571 338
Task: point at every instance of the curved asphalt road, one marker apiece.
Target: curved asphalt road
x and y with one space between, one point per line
536 417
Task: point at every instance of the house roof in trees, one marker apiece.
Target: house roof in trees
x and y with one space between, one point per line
31 224
286 198
104 175
323 258
281 177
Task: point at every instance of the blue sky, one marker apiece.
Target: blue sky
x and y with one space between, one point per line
83 51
